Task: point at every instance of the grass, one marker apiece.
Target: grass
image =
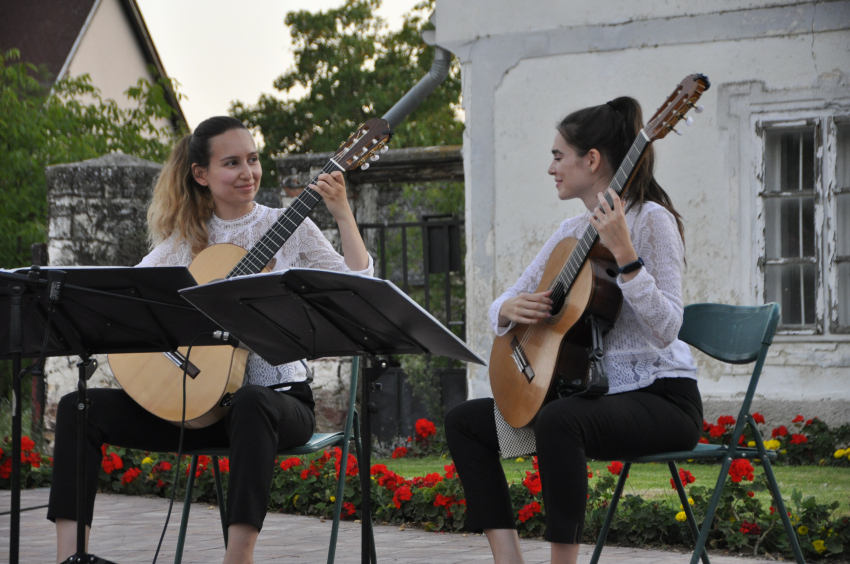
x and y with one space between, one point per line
652 481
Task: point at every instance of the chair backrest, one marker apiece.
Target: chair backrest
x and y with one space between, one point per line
733 334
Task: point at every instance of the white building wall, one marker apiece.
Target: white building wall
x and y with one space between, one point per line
526 65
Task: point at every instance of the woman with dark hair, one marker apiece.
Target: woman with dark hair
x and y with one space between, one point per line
205 196
653 404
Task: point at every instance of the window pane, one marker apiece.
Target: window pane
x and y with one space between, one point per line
793 286
842 168
789 160
789 227
843 224
844 294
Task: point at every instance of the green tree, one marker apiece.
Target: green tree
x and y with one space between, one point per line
353 69
71 122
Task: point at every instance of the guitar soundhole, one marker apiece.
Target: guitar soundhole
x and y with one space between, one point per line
559 297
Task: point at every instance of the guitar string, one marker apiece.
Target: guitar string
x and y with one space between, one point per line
262 252
563 281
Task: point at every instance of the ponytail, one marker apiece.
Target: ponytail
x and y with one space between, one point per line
611 129
179 203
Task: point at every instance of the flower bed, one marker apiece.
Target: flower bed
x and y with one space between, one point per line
307 485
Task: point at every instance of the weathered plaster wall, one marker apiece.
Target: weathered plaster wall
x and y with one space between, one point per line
525 66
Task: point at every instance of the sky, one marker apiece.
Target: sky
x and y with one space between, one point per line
225 50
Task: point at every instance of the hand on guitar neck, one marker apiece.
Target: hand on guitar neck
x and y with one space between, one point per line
610 222
332 189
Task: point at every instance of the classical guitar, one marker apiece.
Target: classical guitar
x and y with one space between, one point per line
531 364
154 380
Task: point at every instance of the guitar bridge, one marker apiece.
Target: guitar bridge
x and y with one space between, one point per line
521 361
180 362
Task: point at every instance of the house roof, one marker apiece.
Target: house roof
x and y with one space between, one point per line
48 32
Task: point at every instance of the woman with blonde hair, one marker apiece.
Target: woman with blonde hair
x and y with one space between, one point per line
205 196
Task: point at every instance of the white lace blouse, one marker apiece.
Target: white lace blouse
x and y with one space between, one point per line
643 344
307 248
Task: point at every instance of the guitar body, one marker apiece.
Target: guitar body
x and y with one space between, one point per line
156 383
559 346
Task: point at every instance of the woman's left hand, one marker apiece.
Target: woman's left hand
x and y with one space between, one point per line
332 189
610 223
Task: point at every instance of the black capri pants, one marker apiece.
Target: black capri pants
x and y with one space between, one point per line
665 416
259 422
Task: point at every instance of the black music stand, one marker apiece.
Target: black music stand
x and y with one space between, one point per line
305 313
86 311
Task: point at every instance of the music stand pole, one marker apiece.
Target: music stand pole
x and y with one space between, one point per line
16 342
370 374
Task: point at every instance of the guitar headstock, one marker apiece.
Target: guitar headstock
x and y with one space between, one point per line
363 144
680 102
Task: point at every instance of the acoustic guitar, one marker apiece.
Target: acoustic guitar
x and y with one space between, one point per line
155 380
531 364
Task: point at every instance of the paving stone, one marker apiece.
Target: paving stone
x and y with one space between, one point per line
127 529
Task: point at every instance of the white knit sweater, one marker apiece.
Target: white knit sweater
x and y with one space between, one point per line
643 344
307 248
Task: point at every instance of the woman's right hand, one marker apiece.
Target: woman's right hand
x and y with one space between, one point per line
527 309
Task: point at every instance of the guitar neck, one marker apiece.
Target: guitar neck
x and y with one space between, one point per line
279 233
618 184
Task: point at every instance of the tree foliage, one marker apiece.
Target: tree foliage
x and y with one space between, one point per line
353 69
71 122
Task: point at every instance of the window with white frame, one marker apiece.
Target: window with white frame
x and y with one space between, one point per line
806 205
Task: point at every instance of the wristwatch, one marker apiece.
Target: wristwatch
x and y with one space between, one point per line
631 267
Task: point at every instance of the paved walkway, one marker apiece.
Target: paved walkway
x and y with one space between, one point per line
127 529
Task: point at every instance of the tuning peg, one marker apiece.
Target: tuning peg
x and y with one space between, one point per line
374 157
699 109
365 166
689 120
384 149
677 132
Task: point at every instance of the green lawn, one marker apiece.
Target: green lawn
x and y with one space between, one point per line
825 483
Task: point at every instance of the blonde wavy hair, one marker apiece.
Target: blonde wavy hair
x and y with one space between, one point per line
179 203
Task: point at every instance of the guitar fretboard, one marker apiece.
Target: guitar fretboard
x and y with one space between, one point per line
621 179
270 243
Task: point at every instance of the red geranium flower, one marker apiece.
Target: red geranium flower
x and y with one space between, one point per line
6 469
224 464
798 439
425 428
685 476
451 471
34 459
798 419
290 463
401 494
810 421
589 472
741 469
111 462
445 501
750 528
27 444
162 467
716 431
130 475
705 425
532 482
751 493
615 468
758 417
725 420
529 511
703 440
347 509
534 463
400 452
379 469
782 431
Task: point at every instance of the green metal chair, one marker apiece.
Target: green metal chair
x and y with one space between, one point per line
737 335
319 441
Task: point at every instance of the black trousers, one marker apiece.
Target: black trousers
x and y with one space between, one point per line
259 422
665 416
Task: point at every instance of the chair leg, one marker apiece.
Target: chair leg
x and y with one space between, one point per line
712 509
219 495
340 492
686 507
187 505
609 516
783 513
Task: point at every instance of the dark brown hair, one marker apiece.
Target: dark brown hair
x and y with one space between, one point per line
611 129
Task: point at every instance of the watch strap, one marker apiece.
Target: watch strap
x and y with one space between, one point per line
631 267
